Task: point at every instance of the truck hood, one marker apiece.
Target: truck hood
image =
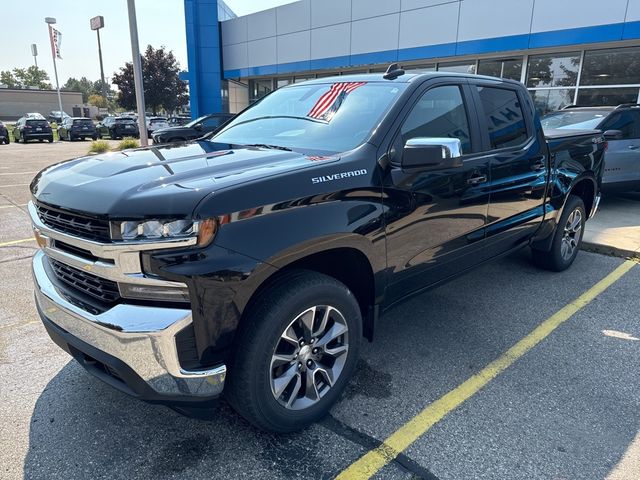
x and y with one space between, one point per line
167 180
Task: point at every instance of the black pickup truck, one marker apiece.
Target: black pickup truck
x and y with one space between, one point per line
255 262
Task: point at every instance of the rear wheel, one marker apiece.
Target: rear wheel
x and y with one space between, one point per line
567 238
295 353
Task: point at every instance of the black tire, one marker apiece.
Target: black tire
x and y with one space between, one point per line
50 139
248 385
41 140
94 138
558 259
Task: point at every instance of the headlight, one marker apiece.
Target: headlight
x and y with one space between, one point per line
205 230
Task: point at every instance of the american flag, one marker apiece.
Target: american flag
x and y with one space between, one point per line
329 102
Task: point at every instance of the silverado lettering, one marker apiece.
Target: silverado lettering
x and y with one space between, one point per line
338 176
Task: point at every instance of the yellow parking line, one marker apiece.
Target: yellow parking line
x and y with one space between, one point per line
15 242
367 465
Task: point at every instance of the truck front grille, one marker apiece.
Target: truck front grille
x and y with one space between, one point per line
74 224
96 287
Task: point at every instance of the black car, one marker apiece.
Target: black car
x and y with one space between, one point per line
118 127
195 129
4 134
57 116
77 128
254 262
27 129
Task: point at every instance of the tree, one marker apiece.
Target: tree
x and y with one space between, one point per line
162 85
26 77
84 86
98 101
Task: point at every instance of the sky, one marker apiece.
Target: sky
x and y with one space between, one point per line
160 22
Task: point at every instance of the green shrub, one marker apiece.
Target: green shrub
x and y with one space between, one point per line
128 142
99 146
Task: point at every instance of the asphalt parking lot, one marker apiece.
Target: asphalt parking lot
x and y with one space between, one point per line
565 407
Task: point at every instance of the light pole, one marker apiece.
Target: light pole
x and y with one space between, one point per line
34 52
96 24
51 21
137 72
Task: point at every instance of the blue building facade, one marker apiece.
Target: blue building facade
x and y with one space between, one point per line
568 51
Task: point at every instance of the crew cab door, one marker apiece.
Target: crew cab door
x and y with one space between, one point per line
622 158
519 164
435 220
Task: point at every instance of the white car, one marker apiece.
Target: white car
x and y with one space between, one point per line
156 123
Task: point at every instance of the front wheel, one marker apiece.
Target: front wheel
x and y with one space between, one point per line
295 353
566 238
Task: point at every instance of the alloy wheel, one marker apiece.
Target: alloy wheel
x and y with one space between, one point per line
309 357
571 234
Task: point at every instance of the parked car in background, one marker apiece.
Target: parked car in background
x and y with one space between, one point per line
35 115
156 123
57 116
118 127
4 134
178 121
77 128
27 129
195 129
621 127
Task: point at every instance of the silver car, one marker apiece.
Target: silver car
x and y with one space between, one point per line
621 126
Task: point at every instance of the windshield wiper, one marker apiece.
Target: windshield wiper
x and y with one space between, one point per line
264 145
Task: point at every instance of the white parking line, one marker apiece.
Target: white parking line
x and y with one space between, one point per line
15 185
19 173
14 206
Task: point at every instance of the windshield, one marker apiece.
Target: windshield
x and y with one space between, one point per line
573 120
83 121
124 120
328 117
196 121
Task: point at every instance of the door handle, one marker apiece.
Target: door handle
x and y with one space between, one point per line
477 179
634 147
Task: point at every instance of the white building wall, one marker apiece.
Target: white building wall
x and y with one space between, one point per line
311 30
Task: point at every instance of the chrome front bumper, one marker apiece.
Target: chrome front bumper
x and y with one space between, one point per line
142 337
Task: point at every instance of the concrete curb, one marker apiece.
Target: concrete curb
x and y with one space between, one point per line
609 250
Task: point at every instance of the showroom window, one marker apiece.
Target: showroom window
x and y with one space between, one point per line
554 70
457 67
550 100
613 66
607 96
510 68
259 88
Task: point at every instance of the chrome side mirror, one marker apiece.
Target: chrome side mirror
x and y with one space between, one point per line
422 153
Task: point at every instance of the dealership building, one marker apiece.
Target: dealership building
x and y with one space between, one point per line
584 52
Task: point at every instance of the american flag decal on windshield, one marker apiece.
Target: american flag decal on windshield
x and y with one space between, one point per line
330 101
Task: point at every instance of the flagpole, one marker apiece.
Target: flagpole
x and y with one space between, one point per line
51 21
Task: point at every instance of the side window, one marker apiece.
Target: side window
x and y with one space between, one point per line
440 112
503 117
628 122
